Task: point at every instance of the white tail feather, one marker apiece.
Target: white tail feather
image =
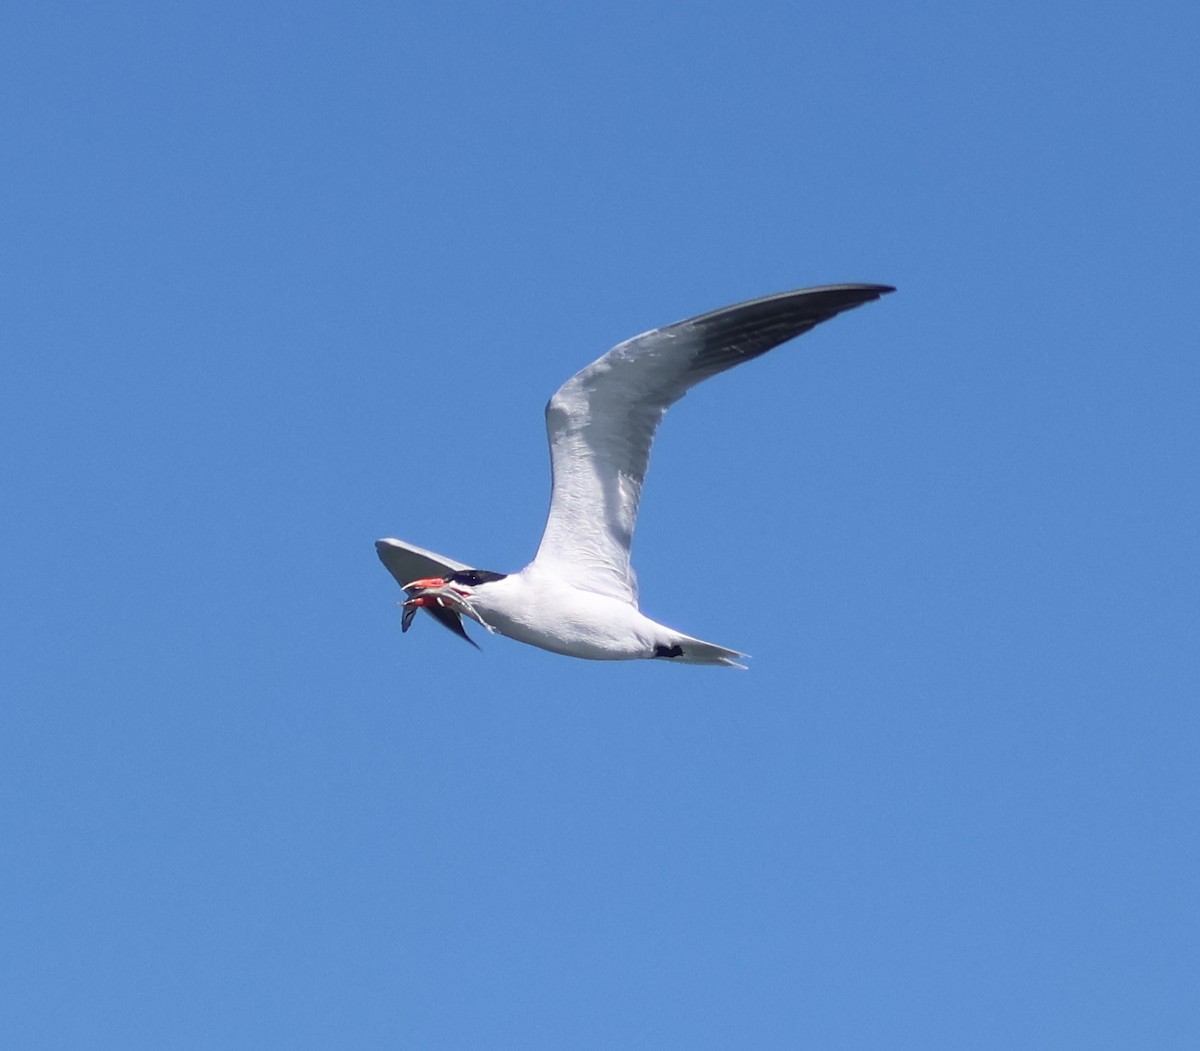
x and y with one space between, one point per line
696 651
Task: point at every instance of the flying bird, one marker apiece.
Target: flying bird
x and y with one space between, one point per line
579 594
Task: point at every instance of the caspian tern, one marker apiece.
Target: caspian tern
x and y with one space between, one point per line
579 594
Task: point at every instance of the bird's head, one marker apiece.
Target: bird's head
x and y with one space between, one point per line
448 599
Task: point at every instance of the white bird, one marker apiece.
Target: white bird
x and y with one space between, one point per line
579 594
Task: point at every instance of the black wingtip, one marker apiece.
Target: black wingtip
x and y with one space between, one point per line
451 620
866 291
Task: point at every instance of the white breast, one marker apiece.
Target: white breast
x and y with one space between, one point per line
539 609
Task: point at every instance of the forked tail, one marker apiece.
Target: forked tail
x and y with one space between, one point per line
683 649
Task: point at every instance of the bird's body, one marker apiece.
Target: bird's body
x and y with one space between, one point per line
541 608
579 595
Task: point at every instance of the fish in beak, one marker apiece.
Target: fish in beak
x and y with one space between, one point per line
440 601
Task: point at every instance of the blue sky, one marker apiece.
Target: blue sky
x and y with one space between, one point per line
279 279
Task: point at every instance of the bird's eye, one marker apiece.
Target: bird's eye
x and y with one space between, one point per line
472 578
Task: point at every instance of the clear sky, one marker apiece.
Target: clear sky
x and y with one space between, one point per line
282 278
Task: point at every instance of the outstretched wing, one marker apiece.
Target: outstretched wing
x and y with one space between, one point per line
407 562
601 422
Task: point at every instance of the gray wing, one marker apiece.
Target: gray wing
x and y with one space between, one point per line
601 422
407 562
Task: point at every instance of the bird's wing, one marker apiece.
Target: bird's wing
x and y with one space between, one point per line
601 422
407 562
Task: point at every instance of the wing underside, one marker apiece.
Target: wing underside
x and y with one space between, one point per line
407 562
601 422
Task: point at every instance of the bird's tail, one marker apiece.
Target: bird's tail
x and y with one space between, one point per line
686 650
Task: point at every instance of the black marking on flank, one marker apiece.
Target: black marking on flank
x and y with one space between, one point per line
474 577
668 651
